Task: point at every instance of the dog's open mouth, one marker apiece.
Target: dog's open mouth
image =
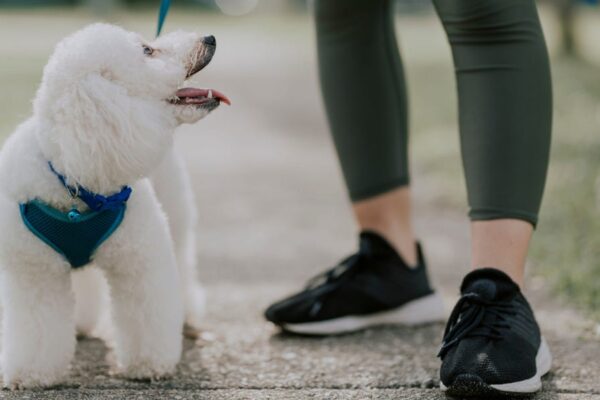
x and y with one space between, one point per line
198 97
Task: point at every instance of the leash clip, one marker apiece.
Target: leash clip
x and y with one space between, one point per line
73 191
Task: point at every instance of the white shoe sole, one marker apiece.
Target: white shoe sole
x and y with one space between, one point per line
420 311
543 362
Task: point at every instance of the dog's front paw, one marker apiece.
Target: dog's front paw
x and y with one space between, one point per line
195 304
144 372
32 381
17 386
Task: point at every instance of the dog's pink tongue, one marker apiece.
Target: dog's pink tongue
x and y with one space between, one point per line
193 92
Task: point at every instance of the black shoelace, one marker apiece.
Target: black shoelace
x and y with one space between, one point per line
467 320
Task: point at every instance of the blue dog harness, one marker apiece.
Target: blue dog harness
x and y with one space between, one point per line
75 235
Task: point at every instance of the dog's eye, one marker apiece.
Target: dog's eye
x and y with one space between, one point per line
148 50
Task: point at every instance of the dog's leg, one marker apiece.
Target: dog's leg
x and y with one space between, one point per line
146 306
147 327
91 300
193 292
173 188
38 340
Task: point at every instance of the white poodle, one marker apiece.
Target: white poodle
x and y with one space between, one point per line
103 121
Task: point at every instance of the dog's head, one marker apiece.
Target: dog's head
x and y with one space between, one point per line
110 93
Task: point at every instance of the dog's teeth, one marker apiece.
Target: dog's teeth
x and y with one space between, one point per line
210 95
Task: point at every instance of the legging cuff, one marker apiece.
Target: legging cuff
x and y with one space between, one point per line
486 214
363 194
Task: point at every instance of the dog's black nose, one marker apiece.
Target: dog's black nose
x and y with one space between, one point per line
209 40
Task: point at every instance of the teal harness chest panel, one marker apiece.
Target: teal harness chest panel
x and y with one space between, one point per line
76 240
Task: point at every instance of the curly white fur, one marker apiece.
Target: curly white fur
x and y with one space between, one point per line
101 118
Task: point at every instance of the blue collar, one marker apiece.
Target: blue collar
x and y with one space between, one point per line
95 201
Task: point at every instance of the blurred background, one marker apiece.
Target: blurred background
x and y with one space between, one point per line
266 64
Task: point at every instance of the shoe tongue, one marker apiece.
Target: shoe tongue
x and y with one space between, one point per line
485 288
373 243
490 284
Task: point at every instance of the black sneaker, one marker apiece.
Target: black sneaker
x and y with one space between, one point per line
492 343
371 287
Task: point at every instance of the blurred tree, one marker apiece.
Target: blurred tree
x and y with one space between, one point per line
413 6
29 3
566 15
566 10
102 8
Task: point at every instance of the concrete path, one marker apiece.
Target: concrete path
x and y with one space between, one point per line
272 213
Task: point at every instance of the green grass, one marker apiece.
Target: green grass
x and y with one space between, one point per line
567 246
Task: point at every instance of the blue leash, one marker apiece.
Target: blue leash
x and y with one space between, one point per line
162 15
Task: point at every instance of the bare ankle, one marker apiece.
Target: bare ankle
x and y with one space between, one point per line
501 244
389 215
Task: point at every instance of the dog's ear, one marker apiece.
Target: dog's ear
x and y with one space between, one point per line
90 120
100 129
94 105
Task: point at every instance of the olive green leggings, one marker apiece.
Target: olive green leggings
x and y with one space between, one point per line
504 91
